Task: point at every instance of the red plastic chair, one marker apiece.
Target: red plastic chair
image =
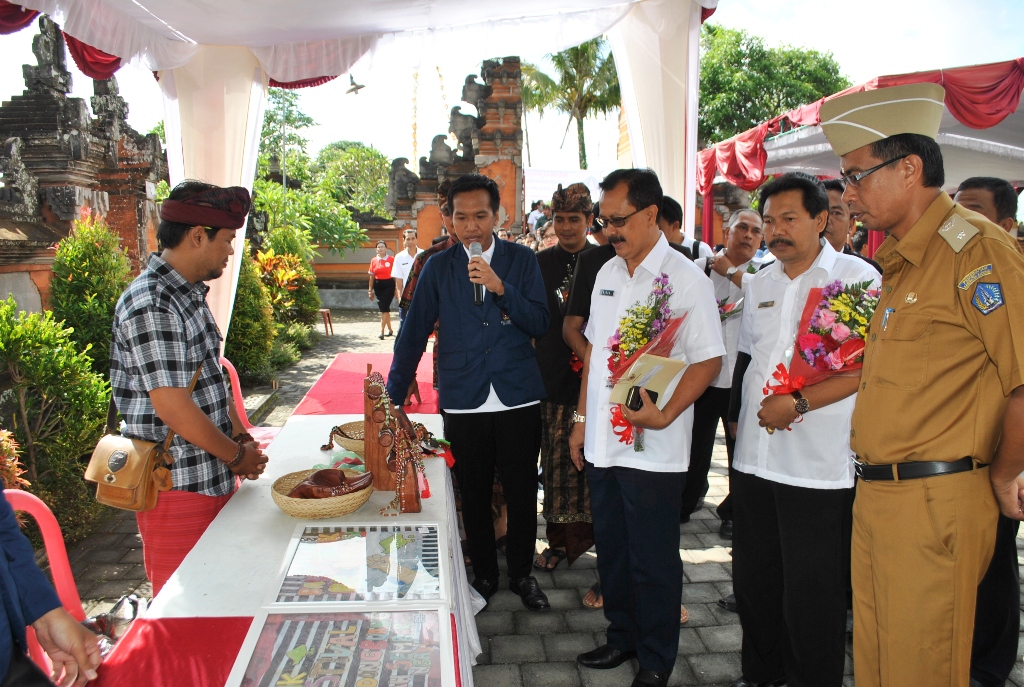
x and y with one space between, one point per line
60 569
263 435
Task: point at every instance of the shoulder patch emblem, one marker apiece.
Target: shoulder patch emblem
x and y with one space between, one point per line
974 276
987 297
957 232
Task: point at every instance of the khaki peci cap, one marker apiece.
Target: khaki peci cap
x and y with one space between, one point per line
858 119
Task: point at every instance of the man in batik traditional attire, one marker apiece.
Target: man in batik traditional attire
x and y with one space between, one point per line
570 530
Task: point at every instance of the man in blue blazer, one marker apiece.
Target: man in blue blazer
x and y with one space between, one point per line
489 384
27 598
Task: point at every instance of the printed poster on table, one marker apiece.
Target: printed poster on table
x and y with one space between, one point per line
387 649
363 563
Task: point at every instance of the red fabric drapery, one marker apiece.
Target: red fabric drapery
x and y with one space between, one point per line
979 97
93 62
706 12
304 83
14 18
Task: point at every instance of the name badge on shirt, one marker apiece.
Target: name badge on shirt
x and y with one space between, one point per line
607 292
766 304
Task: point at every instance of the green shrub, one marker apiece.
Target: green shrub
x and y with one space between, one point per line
283 354
90 271
304 336
251 333
292 285
291 239
10 467
56 407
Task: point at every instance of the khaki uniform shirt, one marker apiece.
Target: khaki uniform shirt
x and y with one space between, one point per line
946 345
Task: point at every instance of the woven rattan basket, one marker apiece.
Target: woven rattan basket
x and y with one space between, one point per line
355 444
316 509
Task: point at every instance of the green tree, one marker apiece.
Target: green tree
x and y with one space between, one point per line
315 212
354 174
159 131
252 331
584 83
282 122
56 406
743 82
90 272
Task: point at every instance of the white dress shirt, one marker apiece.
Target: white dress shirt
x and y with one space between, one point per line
492 404
700 338
816 453
403 263
725 289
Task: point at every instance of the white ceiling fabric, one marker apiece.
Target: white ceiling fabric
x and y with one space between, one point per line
304 39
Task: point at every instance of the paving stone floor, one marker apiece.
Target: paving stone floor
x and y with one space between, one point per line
521 649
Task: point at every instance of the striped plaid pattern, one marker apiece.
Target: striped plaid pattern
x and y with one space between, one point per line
164 330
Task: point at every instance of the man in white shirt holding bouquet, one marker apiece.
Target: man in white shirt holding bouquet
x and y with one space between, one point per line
636 461
792 480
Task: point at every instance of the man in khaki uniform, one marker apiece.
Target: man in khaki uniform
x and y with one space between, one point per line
938 427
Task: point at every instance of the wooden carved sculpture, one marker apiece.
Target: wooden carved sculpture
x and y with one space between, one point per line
376 419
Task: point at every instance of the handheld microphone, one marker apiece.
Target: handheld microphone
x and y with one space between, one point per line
475 251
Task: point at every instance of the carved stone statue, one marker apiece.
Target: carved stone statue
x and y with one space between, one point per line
52 72
463 126
401 184
110 108
440 155
19 193
474 93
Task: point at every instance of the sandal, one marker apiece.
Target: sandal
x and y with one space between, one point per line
500 542
684 615
598 601
547 555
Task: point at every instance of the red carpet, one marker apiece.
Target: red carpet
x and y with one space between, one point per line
340 388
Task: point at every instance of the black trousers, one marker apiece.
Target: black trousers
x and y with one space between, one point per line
791 560
708 410
636 531
509 441
997 616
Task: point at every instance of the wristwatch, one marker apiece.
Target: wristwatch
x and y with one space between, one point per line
731 271
800 404
576 417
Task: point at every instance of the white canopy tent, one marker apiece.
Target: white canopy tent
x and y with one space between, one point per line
966 152
215 60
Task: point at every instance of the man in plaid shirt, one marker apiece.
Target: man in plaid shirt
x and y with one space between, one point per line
163 333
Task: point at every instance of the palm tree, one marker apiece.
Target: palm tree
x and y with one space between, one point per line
585 83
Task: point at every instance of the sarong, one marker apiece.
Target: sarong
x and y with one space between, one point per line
170 530
566 495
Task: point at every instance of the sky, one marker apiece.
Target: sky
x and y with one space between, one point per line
868 38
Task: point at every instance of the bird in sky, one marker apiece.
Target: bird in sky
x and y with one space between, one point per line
355 87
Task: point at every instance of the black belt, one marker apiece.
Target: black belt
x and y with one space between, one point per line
902 471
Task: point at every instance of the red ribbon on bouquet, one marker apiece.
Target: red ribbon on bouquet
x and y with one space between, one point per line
786 384
622 427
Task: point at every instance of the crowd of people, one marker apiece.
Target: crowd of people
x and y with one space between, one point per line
893 490
888 494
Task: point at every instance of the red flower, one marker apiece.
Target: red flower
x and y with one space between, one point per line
852 349
821 364
830 343
808 341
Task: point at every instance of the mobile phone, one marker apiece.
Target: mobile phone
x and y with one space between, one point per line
634 401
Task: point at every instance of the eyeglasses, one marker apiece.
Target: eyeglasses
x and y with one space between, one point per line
855 179
617 222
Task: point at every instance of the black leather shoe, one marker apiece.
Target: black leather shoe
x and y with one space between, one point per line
728 603
529 591
725 530
487 588
744 682
649 678
604 657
